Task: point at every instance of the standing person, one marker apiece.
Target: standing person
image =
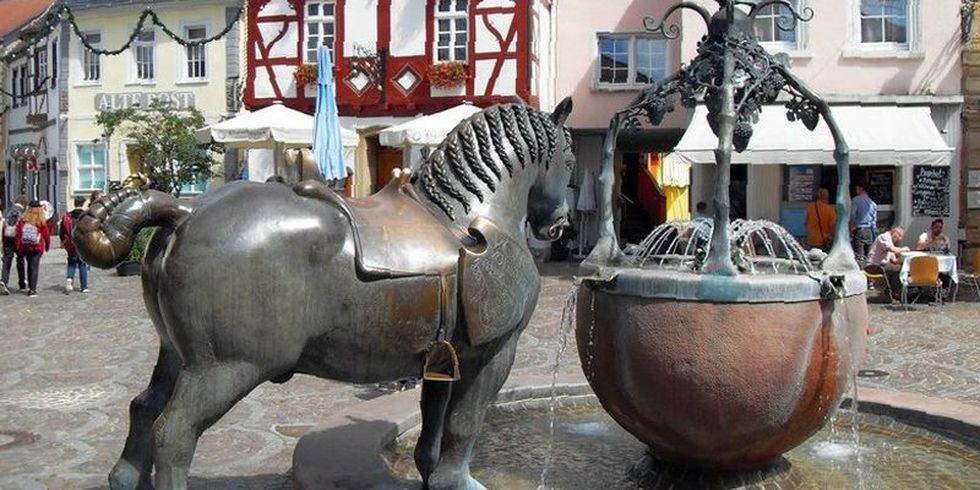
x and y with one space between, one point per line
74 261
820 219
32 240
864 221
701 210
94 197
9 232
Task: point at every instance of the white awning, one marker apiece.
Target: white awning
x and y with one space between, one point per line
876 135
428 130
266 127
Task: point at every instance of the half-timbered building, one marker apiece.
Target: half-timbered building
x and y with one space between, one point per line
384 54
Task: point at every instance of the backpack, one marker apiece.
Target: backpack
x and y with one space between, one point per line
10 225
30 235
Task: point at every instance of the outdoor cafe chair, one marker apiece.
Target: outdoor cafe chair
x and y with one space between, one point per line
876 274
972 277
923 273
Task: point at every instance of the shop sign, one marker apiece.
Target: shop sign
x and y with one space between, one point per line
176 100
36 119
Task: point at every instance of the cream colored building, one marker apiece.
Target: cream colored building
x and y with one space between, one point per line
55 150
154 68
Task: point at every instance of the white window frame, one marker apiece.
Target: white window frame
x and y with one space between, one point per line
860 48
452 16
184 69
134 78
42 66
86 58
79 167
319 21
794 47
631 37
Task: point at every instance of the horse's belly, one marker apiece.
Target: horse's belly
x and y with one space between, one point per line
379 332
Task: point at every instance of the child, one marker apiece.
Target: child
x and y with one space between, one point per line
74 261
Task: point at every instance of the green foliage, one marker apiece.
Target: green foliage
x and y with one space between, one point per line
140 243
165 143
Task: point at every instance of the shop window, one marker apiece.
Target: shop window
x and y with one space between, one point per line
195 56
631 61
452 24
321 22
91 62
90 167
144 55
195 187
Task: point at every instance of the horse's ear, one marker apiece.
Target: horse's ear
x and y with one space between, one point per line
562 111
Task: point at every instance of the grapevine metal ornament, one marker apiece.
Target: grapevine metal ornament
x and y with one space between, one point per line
63 12
734 77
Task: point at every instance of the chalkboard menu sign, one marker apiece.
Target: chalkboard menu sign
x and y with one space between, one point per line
802 183
930 191
881 185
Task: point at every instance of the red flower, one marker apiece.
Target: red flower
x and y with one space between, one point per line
305 74
449 74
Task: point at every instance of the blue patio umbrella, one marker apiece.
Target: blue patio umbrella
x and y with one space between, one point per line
328 148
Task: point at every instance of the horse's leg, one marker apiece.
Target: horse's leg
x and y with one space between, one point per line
202 395
481 379
136 463
435 399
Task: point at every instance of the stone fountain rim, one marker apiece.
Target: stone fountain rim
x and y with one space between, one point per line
742 288
323 461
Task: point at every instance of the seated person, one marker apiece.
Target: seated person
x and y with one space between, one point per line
934 240
884 257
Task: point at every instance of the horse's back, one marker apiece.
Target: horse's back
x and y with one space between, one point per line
244 274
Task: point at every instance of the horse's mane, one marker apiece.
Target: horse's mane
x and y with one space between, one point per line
467 153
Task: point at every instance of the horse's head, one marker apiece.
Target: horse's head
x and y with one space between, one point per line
547 209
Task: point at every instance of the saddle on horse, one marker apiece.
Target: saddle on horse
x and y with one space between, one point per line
484 272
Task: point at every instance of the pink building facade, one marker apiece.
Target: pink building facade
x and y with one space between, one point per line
876 54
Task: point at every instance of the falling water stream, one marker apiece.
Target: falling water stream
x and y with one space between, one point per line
567 319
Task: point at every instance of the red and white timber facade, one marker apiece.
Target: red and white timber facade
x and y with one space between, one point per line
504 45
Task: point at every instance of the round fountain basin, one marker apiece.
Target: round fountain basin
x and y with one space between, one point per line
725 373
592 451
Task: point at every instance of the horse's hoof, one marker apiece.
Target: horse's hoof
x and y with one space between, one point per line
125 476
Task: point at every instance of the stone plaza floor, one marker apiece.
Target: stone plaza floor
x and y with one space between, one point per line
69 365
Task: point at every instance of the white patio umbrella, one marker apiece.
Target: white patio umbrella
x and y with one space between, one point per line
276 127
425 131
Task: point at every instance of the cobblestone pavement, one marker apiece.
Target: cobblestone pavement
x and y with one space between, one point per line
69 364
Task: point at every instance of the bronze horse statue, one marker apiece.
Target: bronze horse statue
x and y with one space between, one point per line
255 282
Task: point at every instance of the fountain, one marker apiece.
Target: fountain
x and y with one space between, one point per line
722 345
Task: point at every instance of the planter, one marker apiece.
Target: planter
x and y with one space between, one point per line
459 91
129 268
719 383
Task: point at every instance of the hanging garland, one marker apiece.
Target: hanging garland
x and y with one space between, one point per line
41 87
55 16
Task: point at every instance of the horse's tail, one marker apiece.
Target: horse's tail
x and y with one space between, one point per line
104 235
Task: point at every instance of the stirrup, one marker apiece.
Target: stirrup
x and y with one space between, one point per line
441 363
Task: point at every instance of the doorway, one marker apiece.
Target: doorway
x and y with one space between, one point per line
643 203
388 160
